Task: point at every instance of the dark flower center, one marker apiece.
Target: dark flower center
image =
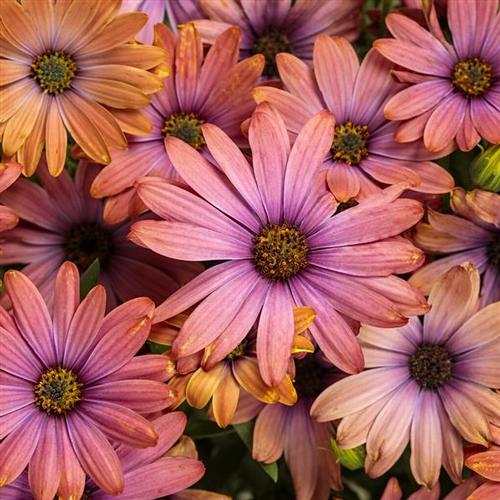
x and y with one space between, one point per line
472 77
349 143
58 391
237 352
87 242
269 44
53 71
280 251
345 205
185 126
493 251
309 377
430 366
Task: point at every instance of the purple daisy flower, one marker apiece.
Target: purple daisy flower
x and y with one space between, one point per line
148 474
273 26
198 89
59 221
428 383
271 221
455 88
363 153
70 385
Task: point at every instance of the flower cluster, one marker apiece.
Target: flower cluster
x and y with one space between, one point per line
250 247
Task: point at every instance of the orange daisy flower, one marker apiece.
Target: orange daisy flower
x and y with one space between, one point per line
70 66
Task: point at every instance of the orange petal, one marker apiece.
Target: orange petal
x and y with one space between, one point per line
132 54
303 318
203 384
132 121
56 140
486 463
247 374
288 394
225 400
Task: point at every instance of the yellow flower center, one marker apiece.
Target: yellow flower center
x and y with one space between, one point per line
269 44
53 71
58 391
280 251
472 77
349 143
237 352
185 126
430 366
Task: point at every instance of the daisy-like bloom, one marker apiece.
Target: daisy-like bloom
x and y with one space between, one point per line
148 473
59 221
472 235
199 379
9 172
271 222
275 26
425 383
290 430
67 66
363 152
70 384
454 92
212 89
177 12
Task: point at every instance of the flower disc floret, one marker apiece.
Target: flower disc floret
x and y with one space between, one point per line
349 143
269 45
58 391
185 126
54 70
472 77
431 366
280 251
86 242
493 252
309 376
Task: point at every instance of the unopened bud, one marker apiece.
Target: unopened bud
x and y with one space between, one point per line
351 458
485 169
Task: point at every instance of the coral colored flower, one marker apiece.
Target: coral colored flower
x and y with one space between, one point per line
455 88
70 384
428 384
274 26
213 89
290 430
68 66
271 222
363 151
199 379
9 172
61 221
148 474
472 235
176 11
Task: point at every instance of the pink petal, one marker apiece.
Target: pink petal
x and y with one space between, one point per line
343 181
453 455
268 436
389 170
486 119
148 367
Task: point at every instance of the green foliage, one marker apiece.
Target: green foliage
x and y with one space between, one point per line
89 278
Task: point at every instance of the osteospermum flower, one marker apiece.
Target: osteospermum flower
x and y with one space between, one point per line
148 474
273 26
59 221
271 222
176 11
70 384
9 172
212 89
363 152
68 66
290 430
472 235
454 92
425 383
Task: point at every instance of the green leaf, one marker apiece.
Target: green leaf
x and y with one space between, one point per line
158 348
245 432
89 278
352 458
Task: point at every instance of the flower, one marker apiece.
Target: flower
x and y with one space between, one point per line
199 379
454 92
9 172
363 152
289 429
70 384
147 474
61 221
271 222
177 12
428 384
271 27
69 66
485 169
472 235
212 89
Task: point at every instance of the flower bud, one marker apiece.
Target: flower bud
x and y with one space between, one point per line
352 458
485 169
